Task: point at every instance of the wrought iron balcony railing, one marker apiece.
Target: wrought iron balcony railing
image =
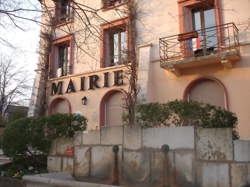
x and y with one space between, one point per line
211 40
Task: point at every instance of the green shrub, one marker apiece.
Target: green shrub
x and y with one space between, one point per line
183 113
27 141
152 114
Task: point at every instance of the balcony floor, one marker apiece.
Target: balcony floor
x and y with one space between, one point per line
225 58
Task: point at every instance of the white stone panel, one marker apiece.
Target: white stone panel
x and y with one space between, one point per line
82 161
214 144
54 164
176 138
213 175
242 150
112 135
91 137
132 137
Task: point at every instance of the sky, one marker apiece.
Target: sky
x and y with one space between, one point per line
25 40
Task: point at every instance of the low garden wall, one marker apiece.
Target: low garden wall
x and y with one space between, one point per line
201 157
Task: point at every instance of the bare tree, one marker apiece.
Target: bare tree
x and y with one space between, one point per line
14 84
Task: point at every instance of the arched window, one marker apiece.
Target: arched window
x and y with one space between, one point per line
207 90
112 108
60 105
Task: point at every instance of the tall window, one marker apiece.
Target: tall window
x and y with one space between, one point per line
61 58
200 18
63 11
118 46
203 23
115 46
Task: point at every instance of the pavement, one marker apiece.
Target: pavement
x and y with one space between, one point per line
3 159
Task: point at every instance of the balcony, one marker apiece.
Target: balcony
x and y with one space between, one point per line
213 45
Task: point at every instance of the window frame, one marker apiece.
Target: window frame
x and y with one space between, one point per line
111 27
54 55
68 17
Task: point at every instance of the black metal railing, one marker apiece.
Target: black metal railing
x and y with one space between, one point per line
201 42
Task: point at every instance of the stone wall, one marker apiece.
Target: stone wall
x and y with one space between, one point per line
197 157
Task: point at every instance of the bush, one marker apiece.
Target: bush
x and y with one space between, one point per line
27 141
152 114
183 113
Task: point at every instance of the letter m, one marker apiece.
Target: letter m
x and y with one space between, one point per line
56 88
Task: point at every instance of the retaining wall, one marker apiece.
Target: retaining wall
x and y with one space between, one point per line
197 156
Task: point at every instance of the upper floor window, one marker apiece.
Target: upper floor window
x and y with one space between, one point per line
61 57
63 11
115 45
110 3
198 25
118 46
204 23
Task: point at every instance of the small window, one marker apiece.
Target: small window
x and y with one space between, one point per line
115 46
63 11
110 3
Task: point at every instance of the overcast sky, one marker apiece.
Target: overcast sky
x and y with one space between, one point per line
25 42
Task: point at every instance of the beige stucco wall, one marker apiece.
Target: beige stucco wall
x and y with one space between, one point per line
157 19
165 86
92 110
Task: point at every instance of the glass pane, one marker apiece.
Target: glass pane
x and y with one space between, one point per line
197 20
60 57
65 8
209 16
211 37
63 59
116 48
123 46
197 42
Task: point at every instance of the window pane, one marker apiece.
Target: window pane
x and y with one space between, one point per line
116 48
197 26
197 20
63 59
123 46
209 16
65 8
